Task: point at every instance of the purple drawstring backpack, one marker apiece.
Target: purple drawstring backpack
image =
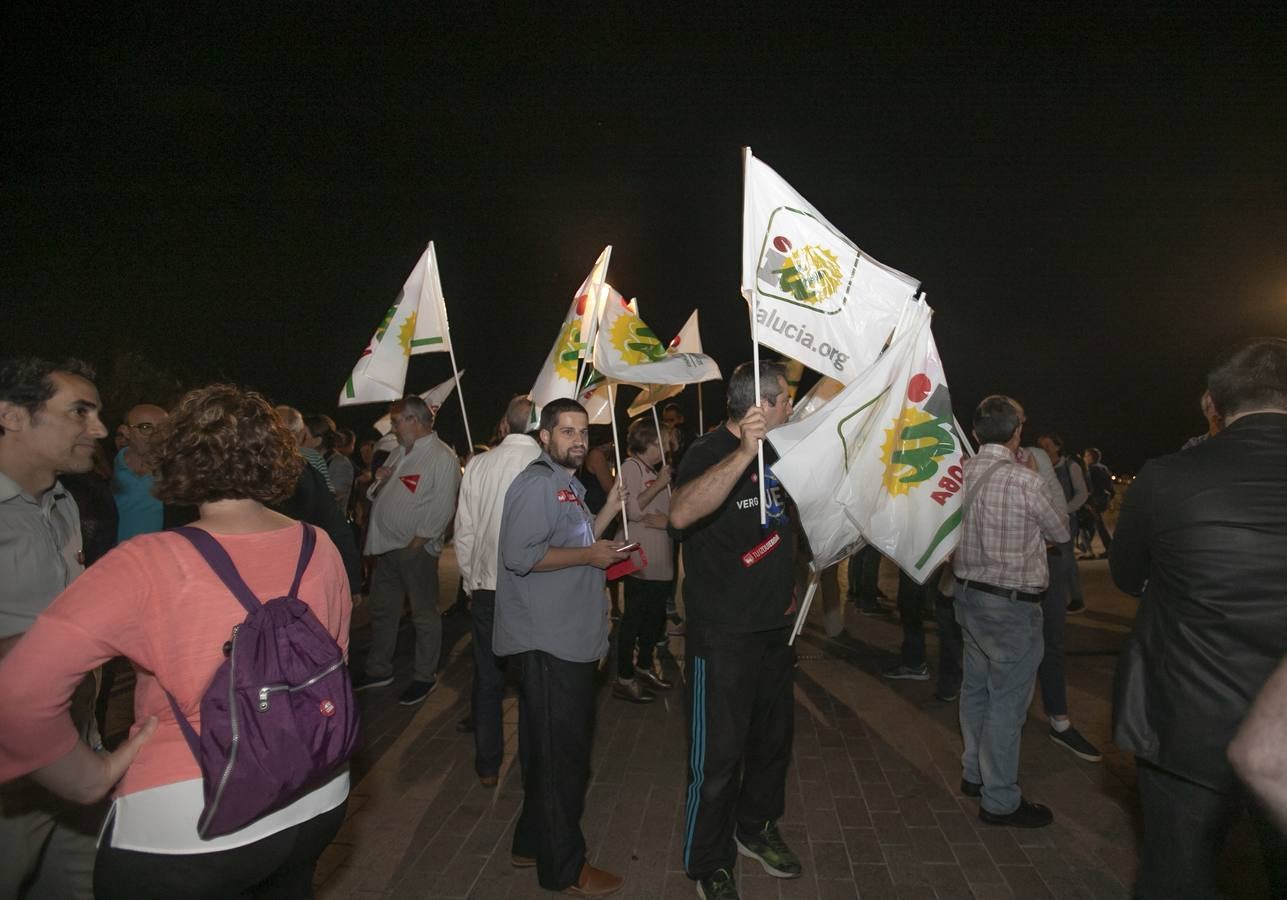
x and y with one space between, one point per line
279 716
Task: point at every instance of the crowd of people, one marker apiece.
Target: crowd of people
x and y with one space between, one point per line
102 560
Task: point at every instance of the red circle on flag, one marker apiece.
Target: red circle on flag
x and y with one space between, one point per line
781 244
327 708
918 388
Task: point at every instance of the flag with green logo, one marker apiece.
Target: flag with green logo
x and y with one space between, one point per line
817 297
415 323
627 350
881 462
689 340
558 375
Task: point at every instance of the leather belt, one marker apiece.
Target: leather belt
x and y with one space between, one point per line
1008 593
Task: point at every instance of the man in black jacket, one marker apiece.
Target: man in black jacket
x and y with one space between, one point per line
1202 537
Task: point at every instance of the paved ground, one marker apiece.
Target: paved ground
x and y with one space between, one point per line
872 805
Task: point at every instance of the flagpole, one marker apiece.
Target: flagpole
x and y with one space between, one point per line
701 424
804 607
451 352
755 345
656 422
616 451
594 325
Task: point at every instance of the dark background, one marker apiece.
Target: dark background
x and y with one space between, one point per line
1095 198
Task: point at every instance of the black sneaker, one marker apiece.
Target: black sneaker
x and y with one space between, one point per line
1028 815
417 692
774 855
946 696
371 681
1071 740
874 609
913 673
971 788
1076 609
719 886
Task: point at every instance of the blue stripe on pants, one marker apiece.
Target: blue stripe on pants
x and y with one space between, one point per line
697 757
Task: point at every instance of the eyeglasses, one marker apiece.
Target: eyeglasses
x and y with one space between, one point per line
143 427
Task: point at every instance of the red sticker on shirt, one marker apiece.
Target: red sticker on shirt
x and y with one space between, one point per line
761 550
566 496
411 482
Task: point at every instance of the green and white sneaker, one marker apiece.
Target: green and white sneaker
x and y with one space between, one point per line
719 886
774 855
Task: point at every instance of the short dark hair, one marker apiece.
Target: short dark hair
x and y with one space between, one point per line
223 443
741 386
1047 431
551 411
995 419
1094 452
25 380
322 427
642 435
1252 377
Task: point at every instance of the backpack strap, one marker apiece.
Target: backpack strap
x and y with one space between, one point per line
217 557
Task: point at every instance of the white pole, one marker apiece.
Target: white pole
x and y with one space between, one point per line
451 352
701 424
660 443
755 346
804 607
616 451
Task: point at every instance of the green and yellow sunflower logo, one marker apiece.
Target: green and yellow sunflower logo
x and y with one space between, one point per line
635 341
810 274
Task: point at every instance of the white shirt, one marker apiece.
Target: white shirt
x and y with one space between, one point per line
482 499
417 500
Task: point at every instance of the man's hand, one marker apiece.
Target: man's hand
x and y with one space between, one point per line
663 476
417 543
655 520
753 430
383 473
603 553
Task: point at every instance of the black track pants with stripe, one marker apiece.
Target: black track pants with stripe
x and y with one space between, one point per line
740 725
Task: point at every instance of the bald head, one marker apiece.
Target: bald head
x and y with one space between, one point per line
141 423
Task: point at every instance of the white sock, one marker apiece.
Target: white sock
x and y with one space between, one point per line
1061 725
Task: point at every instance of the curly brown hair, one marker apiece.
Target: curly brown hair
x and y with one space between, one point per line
223 443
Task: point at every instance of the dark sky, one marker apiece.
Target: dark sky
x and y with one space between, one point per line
1095 202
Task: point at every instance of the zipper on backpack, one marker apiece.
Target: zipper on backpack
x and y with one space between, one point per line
269 689
236 734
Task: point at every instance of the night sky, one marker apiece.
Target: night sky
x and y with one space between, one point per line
1095 202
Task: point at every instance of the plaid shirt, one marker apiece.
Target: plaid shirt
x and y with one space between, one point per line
1004 533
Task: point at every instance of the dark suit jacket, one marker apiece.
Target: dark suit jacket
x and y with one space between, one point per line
1203 536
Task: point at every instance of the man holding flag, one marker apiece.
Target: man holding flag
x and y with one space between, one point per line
739 584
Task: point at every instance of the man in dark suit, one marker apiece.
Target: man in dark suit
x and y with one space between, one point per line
1202 538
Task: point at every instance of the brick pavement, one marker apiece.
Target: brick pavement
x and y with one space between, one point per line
872 806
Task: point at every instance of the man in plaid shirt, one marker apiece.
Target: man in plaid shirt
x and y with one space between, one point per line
1001 572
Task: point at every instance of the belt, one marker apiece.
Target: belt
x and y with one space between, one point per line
1008 593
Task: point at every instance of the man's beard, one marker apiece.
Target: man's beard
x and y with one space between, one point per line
571 458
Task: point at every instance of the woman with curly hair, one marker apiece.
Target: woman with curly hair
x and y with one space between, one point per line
156 601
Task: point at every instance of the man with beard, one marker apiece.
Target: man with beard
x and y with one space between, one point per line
552 616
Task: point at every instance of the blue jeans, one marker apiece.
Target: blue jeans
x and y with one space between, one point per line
1003 648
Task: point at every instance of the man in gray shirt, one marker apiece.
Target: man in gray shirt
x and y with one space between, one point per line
49 424
552 615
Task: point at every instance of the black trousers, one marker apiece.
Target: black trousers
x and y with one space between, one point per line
741 719
278 867
1185 827
555 729
488 689
643 623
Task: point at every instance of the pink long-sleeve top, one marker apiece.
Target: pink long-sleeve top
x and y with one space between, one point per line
155 601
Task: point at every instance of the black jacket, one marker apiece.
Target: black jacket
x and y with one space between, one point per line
314 503
1203 536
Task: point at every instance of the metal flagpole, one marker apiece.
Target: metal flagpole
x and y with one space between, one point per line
616 451
701 424
656 422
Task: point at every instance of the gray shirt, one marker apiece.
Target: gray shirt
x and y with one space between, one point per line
563 612
40 552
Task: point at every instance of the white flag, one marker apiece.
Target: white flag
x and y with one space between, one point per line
625 349
689 340
818 298
881 462
415 323
557 377
433 398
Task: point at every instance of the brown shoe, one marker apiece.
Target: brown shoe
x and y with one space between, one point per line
488 780
631 690
522 862
595 883
650 678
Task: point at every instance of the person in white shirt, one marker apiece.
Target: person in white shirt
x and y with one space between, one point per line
478 517
414 497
